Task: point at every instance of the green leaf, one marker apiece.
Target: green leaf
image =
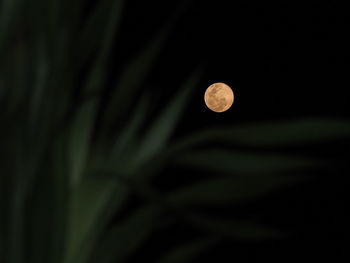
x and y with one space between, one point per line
39 212
135 73
230 190
80 136
46 204
244 163
60 200
293 132
123 239
15 78
41 63
238 230
96 78
187 252
160 131
93 202
273 134
9 10
100 31
24 159
128 134
4 219
122 150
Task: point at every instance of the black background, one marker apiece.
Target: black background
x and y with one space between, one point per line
283 61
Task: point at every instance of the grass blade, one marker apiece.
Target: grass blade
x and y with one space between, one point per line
231 190
99 32
128 134
123 239
244 163
93 202
188 252
60 185
9 10
238 230
81 132
136 71
274 134
159 133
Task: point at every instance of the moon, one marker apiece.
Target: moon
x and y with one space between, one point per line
219 97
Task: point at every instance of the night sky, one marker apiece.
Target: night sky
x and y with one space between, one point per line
283 61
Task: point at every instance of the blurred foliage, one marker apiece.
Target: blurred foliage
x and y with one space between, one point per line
66 170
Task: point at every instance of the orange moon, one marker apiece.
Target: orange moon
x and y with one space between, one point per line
219 97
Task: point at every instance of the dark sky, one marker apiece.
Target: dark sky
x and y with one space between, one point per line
283 61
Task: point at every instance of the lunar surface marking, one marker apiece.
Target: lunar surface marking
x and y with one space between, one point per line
219 97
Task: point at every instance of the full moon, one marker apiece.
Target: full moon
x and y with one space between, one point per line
219 97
